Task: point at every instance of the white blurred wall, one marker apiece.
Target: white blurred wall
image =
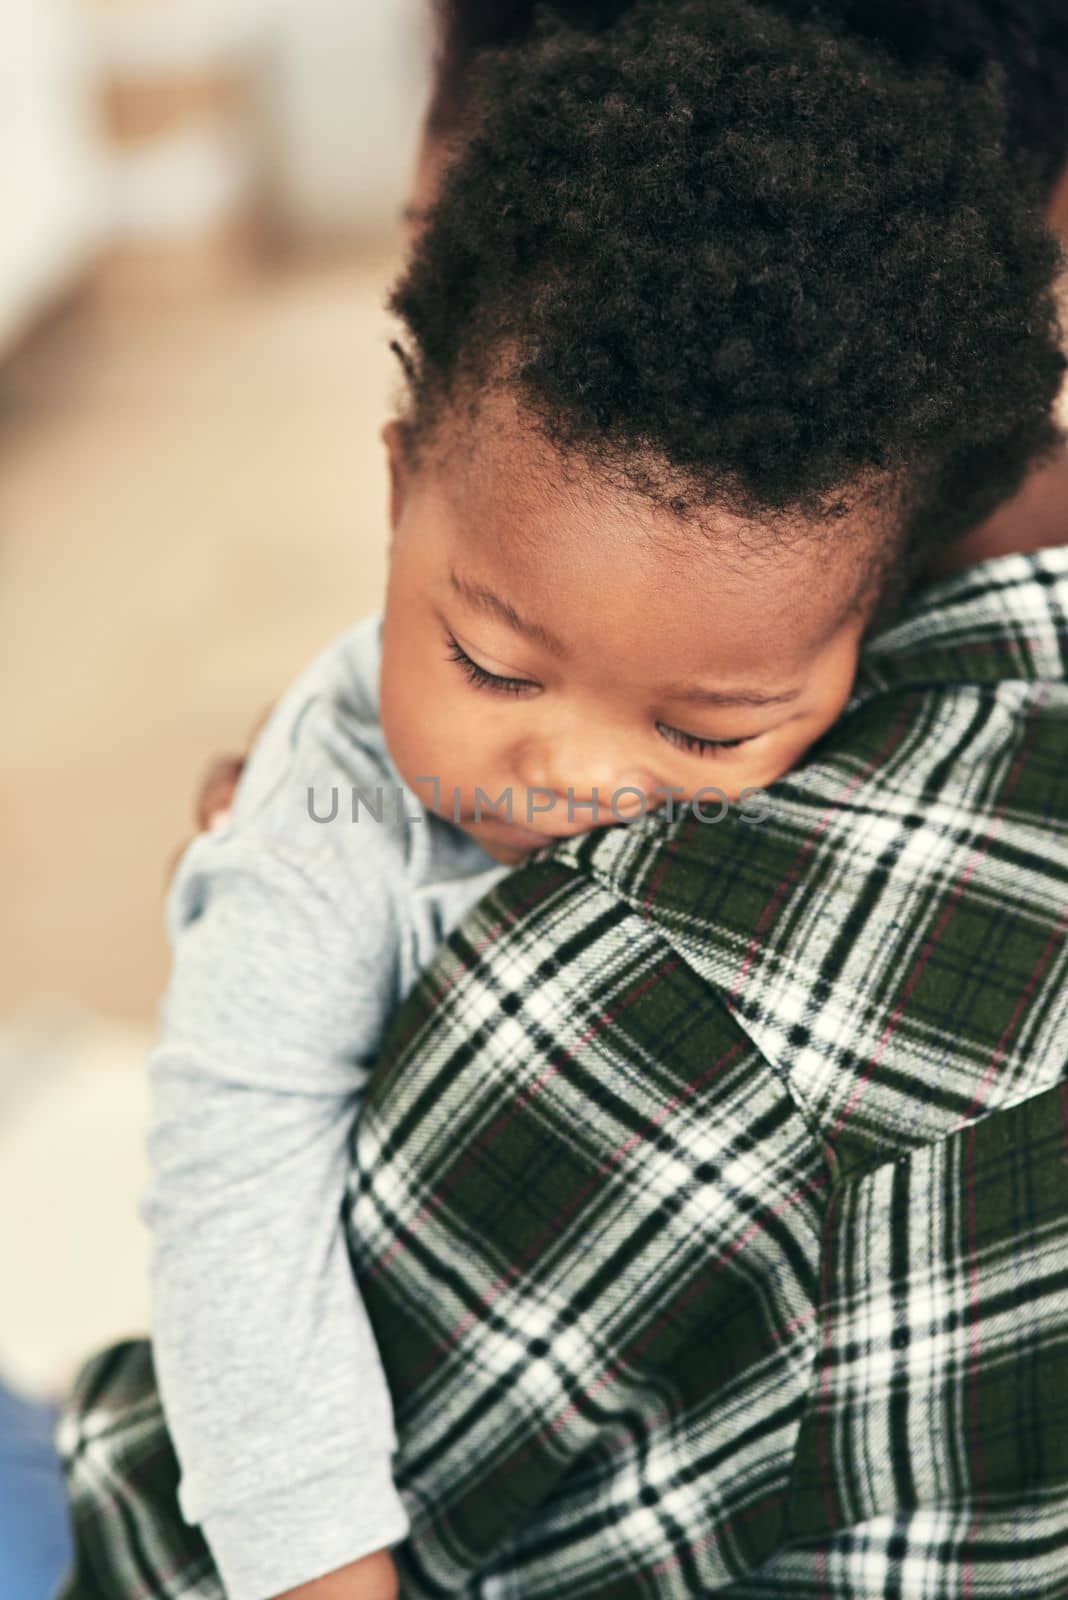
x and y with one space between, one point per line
343 88
49 174
348 93
344 85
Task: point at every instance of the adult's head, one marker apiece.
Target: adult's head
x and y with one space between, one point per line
721 324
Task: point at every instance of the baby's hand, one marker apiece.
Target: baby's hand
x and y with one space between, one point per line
215 797
217 792
372 1578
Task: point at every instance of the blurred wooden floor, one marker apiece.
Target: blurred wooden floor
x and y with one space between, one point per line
191 503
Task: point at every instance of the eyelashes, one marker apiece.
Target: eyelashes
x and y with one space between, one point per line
479 678
693 743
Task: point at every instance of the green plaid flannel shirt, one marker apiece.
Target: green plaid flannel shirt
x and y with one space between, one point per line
711 1199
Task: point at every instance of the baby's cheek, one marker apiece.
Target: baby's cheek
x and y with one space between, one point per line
409 733
451 740
806 735
782 755
438 741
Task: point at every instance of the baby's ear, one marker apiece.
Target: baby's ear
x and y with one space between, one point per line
399 471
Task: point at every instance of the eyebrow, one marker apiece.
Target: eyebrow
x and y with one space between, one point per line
728 697
479 598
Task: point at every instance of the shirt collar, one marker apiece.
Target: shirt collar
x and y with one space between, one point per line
1005 619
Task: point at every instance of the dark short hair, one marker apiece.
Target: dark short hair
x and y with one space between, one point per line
1027 39
465 27
751 249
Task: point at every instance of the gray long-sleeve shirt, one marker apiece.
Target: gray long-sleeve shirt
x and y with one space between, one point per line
293 940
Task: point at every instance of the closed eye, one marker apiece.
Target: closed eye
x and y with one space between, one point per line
697 746
480 678
494 683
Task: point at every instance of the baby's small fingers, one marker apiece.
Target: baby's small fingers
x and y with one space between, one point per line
217 792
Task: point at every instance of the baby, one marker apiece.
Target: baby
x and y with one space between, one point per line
688 403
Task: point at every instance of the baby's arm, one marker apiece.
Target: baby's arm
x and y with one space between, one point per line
266 1362
374 1578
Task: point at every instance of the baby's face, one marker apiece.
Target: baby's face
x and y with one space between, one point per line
549 639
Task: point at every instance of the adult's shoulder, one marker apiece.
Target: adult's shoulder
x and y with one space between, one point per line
890 934
574 1163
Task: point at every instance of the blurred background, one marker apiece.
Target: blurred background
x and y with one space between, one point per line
202 207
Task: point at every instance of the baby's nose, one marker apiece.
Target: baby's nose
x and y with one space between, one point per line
580 764
601 792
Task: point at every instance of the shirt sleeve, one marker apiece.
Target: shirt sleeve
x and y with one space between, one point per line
267 1366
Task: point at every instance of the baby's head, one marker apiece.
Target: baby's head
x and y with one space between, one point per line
720 328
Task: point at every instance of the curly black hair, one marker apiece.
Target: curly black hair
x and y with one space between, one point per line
1028 39
771 260
466 27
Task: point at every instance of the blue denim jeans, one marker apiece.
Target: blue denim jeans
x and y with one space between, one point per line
35 1540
